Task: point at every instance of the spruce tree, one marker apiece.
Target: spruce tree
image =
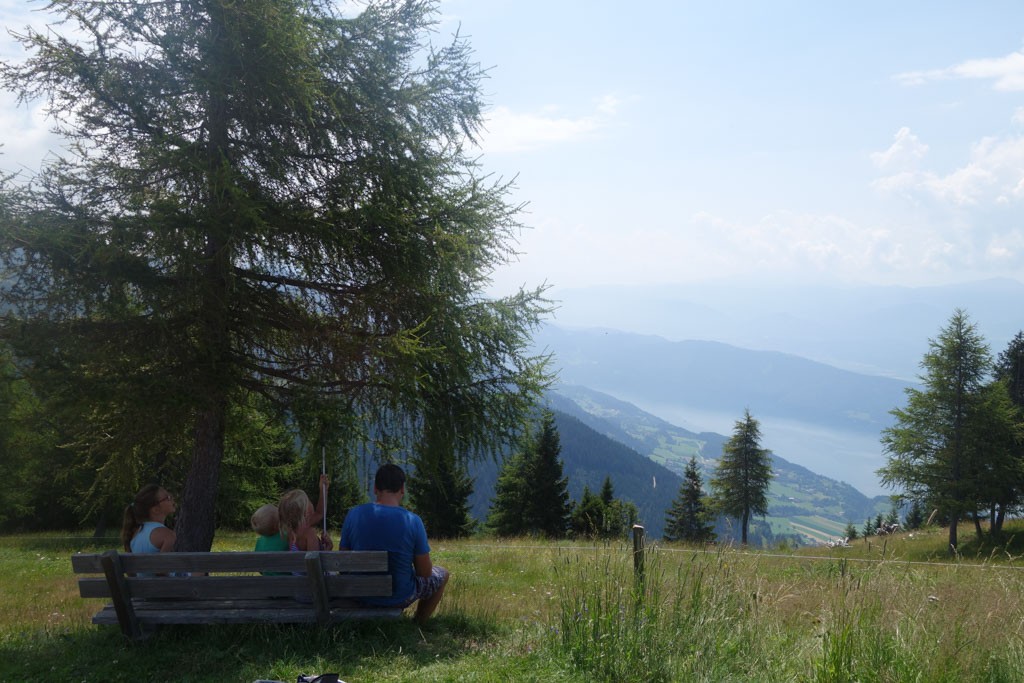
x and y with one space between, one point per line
915 516
532 494
688 519
744 471
547 503
619 518
869 528
505 517
439 492
587 515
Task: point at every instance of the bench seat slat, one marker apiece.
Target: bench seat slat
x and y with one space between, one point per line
233 615
349 586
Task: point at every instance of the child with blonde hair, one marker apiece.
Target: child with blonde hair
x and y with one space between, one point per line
266 521
295 513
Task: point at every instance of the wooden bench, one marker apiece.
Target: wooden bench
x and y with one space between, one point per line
231 587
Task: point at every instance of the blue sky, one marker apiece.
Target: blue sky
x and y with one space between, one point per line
800 141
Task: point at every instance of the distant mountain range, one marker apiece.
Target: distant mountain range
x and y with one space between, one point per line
826 419
878 330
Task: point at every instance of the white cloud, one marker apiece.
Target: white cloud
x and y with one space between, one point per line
1006 248
1007 73
905 150
784 245
802 243
993 175
506 130
815 246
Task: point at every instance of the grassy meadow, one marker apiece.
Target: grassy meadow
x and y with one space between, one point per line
895 609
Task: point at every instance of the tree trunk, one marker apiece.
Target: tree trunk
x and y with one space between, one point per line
197 519
743 524
977 525
101 525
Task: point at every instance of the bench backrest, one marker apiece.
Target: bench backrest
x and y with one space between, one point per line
197 580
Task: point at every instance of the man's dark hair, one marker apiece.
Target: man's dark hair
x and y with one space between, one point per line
390 477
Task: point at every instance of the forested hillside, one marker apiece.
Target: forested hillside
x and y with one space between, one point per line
588 457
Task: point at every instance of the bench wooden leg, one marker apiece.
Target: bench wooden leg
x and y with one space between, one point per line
120 595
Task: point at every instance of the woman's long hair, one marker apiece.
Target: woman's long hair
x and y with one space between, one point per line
138 512
291 511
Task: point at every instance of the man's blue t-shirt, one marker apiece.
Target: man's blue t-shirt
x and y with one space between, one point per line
387 527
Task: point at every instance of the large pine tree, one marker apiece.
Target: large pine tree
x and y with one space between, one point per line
953 443
744 472
259 197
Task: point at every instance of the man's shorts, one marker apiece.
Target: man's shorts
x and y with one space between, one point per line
427 586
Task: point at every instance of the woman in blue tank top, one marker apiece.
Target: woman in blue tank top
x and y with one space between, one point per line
143 530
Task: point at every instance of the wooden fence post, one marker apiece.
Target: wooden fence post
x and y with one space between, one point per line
638 555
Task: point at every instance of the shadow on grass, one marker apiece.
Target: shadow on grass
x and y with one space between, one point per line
1004 546
243 652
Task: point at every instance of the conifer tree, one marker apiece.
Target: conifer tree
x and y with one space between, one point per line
263 197
915 516
505 517
894 515
952 444
547 505
439 492
616 517
688 519
587 515
1010 369
607 491
741 480
532 494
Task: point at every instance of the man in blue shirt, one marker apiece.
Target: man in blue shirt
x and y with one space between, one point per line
386 525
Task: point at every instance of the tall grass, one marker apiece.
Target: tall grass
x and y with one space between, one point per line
691 618
724 615
528 610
